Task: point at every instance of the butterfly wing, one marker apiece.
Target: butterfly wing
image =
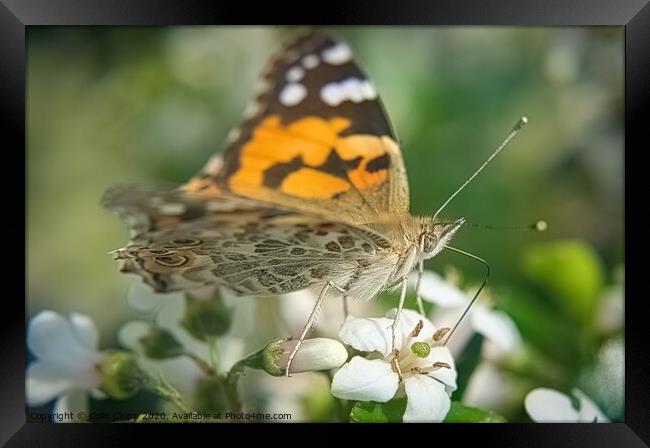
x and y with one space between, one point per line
316 140
150 210
251 253
257 220
180 241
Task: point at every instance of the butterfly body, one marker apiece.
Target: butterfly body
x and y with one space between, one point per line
311 190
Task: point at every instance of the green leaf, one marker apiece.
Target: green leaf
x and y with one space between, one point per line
571 272
460 413
540 326
392 412
374 412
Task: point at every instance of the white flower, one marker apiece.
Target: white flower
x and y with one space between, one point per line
606 378
435 289
427 370
501 334
67 359
545 405
490 387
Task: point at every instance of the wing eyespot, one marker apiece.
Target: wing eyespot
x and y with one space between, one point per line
159 252
171 261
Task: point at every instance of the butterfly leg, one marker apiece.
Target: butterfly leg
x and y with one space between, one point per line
346 310
418 297
311 320
402 297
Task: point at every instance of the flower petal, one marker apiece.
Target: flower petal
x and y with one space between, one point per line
43 383
171 312
443 374
43 329
407 322
315 354
447 317
427 400
370 334
589 411
52 337
365 380
367 334
71 404
130 334
86 330
295 308
545 405
435 289
243 314
142 298
97 394
488 387
497 327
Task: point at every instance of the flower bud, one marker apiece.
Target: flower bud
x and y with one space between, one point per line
206 319
159 343
122 377
314 354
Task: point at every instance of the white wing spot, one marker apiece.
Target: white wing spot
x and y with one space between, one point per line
295 74
292 94
351 89
251 110
233 135
172 208
310 61
216 162
337 55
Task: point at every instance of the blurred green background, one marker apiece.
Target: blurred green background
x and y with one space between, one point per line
125 104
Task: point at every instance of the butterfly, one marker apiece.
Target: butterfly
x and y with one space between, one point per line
310 191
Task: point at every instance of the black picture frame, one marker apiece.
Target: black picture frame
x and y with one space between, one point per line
634 15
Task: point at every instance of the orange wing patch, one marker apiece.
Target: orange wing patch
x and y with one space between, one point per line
309 159
310 183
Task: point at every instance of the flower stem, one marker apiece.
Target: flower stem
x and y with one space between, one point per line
203 365
232 379
213 352
169 392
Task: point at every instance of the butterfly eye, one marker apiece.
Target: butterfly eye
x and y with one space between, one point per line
171 261
428 242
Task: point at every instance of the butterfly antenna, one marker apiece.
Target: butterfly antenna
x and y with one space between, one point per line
487 275
537 226
515 130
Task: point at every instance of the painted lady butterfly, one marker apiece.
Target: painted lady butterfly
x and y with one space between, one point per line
310 191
